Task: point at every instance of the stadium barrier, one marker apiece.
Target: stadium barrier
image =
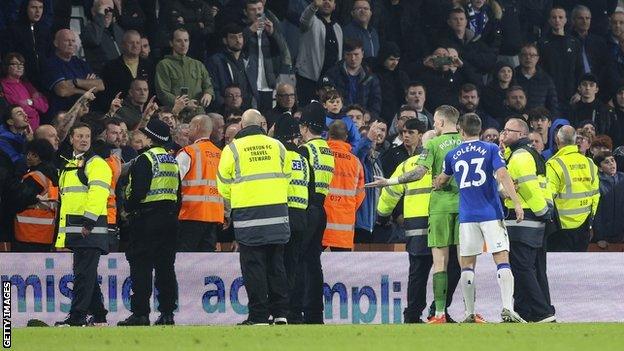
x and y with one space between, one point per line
359 287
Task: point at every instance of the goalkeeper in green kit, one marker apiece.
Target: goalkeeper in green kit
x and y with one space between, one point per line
443 206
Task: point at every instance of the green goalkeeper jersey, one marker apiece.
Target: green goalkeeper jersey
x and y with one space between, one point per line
445 200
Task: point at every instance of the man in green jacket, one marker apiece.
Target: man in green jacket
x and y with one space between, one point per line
178 75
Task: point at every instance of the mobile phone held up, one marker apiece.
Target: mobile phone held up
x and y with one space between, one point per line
442 61
184 91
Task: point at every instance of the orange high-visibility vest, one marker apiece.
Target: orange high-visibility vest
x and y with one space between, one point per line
200 199
114 163
346 193
36 223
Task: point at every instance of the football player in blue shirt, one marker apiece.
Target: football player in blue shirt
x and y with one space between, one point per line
476 166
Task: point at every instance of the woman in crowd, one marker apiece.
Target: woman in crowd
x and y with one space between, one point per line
496 91
20 92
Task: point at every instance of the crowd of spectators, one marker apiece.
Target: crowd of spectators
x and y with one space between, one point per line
388 62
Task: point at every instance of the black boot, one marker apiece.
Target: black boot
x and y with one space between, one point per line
165 319
72 320
134 320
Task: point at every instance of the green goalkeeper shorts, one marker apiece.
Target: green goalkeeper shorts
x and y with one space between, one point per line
443 229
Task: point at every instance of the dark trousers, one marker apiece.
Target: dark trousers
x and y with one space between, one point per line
570 240
308 294
306 90
292 258
196 236
265 281
87 296
542 276
529 299
19 246
152 247
265 101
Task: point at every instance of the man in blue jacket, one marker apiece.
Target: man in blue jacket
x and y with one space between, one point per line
354 81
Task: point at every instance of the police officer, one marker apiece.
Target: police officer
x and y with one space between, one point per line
416 197
321 159
528 171
573 181
84 186
253 176
153 204
287 131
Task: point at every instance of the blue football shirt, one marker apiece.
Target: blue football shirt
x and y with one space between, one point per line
474 163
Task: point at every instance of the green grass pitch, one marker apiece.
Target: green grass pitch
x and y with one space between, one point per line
455 337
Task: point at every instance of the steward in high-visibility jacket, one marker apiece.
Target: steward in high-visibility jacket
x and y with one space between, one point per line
527 255
321 160
153 205
574 183
202 211
528 171
346 191
35 224
84 186
254 174
114 162
35 220
416 197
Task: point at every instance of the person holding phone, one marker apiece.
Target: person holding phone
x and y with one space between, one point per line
179 75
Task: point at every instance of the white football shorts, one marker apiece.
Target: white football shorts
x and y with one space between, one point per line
478 237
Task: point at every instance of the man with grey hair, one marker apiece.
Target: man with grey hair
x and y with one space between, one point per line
593 46
253 177
573 181
201 211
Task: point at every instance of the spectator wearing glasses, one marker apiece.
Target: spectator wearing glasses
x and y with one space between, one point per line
285 103
406 113
20 92
537 84
232 101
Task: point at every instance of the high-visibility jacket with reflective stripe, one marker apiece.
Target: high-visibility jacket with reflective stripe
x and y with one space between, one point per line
114 163
322 162
36 223
200 198
346 193
299 179
531 187
165 176
574 183
79 201
254 173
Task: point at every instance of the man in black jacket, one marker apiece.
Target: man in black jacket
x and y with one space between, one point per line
589 107
32 38
228 67
593 47
537 84
119 73
470 47
561 57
